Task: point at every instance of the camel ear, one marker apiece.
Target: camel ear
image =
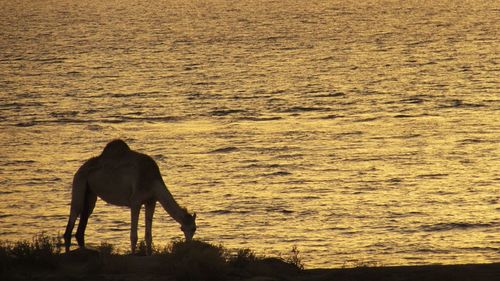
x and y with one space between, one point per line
194 216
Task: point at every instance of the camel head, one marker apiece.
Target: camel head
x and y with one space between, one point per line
189 226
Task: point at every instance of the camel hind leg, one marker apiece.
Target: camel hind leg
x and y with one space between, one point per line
78 195
69 228
88 208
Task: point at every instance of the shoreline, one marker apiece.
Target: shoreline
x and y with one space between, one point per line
41 259
89 265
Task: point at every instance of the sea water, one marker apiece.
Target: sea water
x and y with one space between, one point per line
361 132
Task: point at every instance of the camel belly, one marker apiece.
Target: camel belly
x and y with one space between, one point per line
113 186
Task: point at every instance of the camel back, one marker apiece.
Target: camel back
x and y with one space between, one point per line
116 152
115 149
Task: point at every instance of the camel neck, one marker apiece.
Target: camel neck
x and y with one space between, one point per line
170 205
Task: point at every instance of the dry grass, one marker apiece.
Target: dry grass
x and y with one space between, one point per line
42 251
184 261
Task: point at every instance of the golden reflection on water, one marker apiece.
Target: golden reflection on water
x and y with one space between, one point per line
360 132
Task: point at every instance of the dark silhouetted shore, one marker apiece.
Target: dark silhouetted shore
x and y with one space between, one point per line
41 259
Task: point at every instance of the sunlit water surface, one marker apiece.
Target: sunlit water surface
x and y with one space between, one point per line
362 133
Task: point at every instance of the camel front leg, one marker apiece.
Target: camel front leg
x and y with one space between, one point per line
150 210
134 215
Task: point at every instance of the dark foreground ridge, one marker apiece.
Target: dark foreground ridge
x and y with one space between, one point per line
41 259
464 272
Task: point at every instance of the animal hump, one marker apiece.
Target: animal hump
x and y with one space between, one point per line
115 148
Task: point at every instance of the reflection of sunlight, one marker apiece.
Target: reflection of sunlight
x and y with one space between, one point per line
348 128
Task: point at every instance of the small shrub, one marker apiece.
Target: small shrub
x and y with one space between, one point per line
44 245
294 258
22 250
242 258
40 247
161 250
141 249
41 251
105 249
196 260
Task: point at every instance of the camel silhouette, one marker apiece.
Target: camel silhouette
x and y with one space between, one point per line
123 177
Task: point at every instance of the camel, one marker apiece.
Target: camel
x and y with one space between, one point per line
123 177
